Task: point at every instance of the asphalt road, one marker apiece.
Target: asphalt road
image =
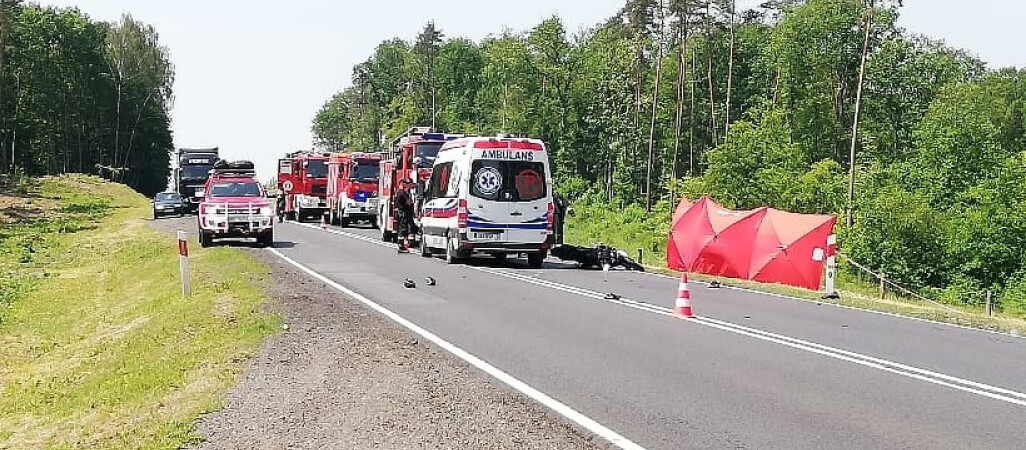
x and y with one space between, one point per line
754 371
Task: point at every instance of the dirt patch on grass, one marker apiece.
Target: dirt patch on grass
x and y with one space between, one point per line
20 201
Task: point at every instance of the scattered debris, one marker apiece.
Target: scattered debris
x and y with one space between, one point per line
715 285
612 296
409 284
431 281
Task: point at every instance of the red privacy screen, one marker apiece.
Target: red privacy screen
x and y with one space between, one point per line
765 244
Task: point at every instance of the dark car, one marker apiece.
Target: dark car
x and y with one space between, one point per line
168 203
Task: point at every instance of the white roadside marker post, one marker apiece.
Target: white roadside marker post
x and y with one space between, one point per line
831 268
183 263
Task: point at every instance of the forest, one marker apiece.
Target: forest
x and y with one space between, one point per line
815 106
85 96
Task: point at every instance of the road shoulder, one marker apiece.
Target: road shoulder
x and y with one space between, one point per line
341 376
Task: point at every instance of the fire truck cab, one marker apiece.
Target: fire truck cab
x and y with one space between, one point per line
303 181
353 188
412 157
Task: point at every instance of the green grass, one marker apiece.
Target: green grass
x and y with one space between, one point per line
97 347
630 229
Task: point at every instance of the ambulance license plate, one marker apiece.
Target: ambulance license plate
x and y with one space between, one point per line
486 235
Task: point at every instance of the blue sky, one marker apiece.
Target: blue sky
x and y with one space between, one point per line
252 74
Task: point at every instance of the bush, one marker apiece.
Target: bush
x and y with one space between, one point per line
628 228
900 234
1013 298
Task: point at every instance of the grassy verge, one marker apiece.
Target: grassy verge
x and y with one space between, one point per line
630 229
97 347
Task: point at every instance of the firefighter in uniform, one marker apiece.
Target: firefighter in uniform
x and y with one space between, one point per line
404 213
280 208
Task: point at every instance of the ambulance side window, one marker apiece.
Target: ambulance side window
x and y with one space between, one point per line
439 185
454 183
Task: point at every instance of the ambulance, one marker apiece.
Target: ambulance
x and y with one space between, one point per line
489 196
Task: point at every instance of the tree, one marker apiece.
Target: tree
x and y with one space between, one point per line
660 36
6 11
867 26
142 72
426 49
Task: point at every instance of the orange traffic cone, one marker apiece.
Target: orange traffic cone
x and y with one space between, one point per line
324 224
682 309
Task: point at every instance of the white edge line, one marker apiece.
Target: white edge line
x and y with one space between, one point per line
538 396
835 305
965 385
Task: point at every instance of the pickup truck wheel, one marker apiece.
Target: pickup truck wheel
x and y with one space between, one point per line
206 239
266 240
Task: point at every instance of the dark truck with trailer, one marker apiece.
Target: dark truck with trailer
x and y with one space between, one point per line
192 169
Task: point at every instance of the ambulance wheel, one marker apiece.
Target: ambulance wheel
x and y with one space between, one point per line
374 222
425 251
343 222
535 260
451 254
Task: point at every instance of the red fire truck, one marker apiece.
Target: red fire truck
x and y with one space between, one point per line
411 157
353 188
303 180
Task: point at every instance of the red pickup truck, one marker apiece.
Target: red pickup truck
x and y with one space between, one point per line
235 205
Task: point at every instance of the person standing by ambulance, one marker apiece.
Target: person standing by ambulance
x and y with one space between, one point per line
560 208
404 213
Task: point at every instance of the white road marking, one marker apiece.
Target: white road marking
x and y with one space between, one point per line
993 392
551 403
835 305
986 390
